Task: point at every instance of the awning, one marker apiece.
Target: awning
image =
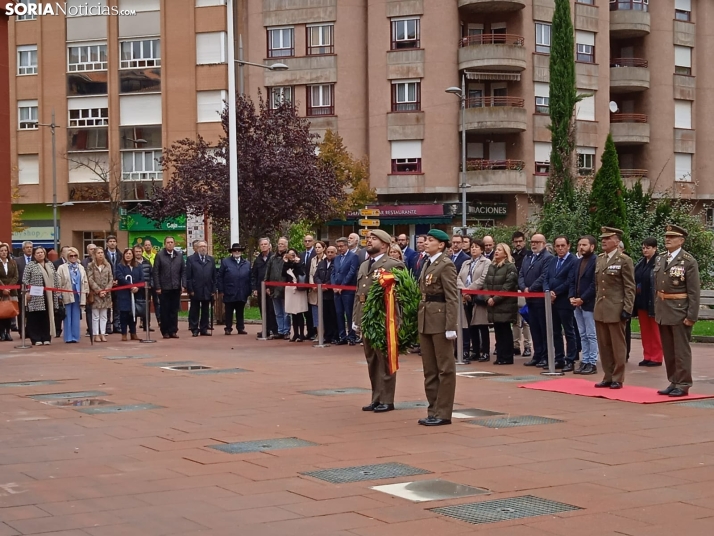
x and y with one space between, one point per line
35 243
420 220
514 77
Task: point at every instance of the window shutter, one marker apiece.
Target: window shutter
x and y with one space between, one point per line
209 106
28 169
406 149
542 151
86 103
210 48
584 38
474 150
585 109
682 114
585 150
140 110
682 56
682 167
541 89
683 5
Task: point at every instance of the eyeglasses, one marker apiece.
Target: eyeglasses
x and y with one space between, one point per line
70 256
537 242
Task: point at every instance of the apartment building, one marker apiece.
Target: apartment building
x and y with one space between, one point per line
377 72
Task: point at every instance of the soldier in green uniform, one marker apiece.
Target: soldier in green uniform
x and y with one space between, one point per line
438 313
614 300
677 287
383 383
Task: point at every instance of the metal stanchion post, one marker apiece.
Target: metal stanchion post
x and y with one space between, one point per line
264 313
21 319
147 315
320 320
549 337
459 336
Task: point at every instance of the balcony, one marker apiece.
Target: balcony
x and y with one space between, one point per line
491 6
629 129
631 176
138 190
496 176
629 75
94 191
495 114
502 52
629 18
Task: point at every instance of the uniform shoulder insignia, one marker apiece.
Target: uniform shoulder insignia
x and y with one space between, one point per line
601 255
688 257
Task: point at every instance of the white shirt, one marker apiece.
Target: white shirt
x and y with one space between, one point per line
672 255
611 254
375 259
435 256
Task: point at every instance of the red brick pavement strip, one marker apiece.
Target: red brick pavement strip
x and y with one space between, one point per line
633 469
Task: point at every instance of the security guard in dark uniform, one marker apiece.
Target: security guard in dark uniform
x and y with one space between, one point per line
439 309
677 287
383 383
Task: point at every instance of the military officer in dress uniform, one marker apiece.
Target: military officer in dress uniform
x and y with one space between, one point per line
677 288
383 383
438 316
614 300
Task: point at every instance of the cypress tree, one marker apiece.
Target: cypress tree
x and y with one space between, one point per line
563 97
607 204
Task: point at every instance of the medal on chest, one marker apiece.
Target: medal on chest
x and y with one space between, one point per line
429 278
677 272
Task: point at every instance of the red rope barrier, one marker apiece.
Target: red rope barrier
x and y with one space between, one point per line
113 289
504 293
10 287
308 285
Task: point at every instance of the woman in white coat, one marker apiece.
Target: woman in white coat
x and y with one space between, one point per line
72 279
472 275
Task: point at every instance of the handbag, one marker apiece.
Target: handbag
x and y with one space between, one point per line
140 308
61 311
523 311
90 297
9 309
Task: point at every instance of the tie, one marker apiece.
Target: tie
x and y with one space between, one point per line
427 264
669 258
203 259
557 267
371 263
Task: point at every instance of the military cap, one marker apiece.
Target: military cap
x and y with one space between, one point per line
607 232
675 230
382 236
440 235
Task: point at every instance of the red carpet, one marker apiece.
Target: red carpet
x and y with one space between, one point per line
628 393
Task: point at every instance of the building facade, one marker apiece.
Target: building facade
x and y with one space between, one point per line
376 71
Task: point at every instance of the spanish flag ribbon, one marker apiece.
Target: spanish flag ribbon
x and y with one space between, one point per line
387 281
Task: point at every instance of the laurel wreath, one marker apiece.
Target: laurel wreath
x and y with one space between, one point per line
407 296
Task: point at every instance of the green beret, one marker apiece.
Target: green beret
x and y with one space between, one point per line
440 235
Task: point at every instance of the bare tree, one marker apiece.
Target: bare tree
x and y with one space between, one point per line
103 188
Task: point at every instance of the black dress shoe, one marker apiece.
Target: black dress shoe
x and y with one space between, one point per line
503 362
644 363
531 363
206 334
371 407
677 392
383 408
615 385
194 333
485 358
654 364
666 391
174 336
517 351
542 364
603 384
437 422
342 342
166 337
527 352
559 365
242 332
569 367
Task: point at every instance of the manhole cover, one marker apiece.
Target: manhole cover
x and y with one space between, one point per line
263 445
479 374
512 422
78 394
504 509
78 402
361 473
706 403
430 490
29 383
187 367
137 356
411 405
219 371
520 379
335 392
473 412
99 410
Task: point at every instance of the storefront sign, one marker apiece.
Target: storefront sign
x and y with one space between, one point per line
35 234
137 222
402 211
478 211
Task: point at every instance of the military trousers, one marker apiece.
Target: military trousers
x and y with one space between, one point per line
613 349
437 355
383 383
677 354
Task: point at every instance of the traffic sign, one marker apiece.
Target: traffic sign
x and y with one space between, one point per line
369 212
363 242
364 232
369 223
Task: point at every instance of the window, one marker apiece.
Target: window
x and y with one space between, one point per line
585 109
210 106
87 139
542 152
87 58
27 59
682 114
89 117
629 5
280 95
709 218
320 39
542 97
682 167
140 54
28 169
406 156
682 60
144 137
320 100
588 2
98 238
586 160
405 33
585 43
210 48
87 83
281 43
406 96
542 37
27 16
141 166
206 3
683 10
27 114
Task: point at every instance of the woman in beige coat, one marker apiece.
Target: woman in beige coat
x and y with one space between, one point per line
73 279
472 276
101 280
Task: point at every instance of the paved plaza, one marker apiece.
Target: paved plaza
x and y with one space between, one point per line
141 450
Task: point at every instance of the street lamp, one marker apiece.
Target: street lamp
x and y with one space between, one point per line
53 126
461 94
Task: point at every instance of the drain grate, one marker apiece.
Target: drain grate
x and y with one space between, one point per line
361 473
77 402
100 410
479 374
137 356
474 412
512 422
29 383
187 367
78 394
520 379
411 405
504 509
335 392
262 445
705 403
170 364
219 371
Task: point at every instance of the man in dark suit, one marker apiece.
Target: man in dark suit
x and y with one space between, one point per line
560 281
305 257
22 261
113 256
457 255
408 253
531 279
257 276
323 276
345 273
421 256
488 247
584 302
201 286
